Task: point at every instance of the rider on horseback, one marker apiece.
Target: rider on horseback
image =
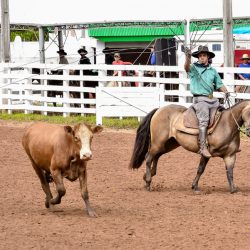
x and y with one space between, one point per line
203 80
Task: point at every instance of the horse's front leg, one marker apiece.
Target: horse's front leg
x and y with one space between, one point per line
200 170
229 162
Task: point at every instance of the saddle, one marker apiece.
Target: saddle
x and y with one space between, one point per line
188 122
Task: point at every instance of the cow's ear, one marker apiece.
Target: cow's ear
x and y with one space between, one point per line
97 129
68 129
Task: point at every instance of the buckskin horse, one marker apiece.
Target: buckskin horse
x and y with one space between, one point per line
162 131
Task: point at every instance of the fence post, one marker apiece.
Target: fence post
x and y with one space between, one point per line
82 92
161 89
1 88
28 92
65 94
182 87
101 73
9 91
229 78
98 105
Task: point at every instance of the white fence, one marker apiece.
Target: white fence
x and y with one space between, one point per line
21 90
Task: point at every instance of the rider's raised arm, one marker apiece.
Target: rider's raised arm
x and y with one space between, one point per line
188 60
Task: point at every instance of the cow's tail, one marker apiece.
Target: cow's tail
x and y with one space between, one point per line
142 142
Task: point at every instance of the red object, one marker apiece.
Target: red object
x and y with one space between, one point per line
238 54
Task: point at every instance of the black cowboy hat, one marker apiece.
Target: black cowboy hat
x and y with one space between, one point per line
61 52
81 50
203 49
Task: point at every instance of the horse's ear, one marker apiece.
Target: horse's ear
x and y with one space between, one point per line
69 129
97 129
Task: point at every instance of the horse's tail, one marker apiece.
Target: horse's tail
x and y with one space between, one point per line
142 141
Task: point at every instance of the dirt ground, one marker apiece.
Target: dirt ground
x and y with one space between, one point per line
172 216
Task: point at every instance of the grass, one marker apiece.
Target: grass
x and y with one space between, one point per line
126 123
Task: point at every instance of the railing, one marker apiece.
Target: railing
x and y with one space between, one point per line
21 90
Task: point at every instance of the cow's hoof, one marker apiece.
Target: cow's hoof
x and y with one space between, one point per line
47 204
147 187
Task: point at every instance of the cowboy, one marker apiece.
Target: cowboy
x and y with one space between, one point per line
62 58
84 59
204 79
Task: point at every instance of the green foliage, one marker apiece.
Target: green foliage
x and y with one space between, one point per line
126 123
27 35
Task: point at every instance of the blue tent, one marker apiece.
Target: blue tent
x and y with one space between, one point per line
242 30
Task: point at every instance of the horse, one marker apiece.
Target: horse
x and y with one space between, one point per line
158 134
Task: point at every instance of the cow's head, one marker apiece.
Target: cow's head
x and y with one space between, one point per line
82 136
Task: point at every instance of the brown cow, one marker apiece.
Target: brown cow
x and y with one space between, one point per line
60 151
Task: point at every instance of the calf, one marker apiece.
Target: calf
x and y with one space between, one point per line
60 151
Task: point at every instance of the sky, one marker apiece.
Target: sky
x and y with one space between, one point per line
90 11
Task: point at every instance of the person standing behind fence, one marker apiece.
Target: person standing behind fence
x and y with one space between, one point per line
118 61
62 60
244 76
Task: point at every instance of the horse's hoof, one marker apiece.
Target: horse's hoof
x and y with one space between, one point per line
92 213
233 190
197 191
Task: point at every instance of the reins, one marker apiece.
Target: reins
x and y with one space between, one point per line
229 103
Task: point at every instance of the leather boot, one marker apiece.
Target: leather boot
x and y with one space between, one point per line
202 142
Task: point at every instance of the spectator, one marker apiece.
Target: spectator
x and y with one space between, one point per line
244 76
153 56
62 60
118 61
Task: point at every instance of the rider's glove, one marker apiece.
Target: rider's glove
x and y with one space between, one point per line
227 94
187 52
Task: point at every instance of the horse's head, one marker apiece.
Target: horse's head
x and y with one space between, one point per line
246 119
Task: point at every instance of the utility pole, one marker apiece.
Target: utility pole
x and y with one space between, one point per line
60 38
41 45
228 34
5 31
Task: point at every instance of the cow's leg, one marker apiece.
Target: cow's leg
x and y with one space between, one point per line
84 190
58 179
200 170
229 162
45 185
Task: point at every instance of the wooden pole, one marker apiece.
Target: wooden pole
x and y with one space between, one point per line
60 39
41 45
228 33
5 31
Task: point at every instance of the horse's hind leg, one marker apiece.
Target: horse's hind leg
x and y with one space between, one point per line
154 168
200 170
229 162
45 185
170 145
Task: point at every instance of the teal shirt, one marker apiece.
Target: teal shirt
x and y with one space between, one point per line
203 80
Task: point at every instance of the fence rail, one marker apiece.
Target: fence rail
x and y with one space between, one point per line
88 94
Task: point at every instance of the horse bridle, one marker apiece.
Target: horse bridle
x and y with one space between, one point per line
247 129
